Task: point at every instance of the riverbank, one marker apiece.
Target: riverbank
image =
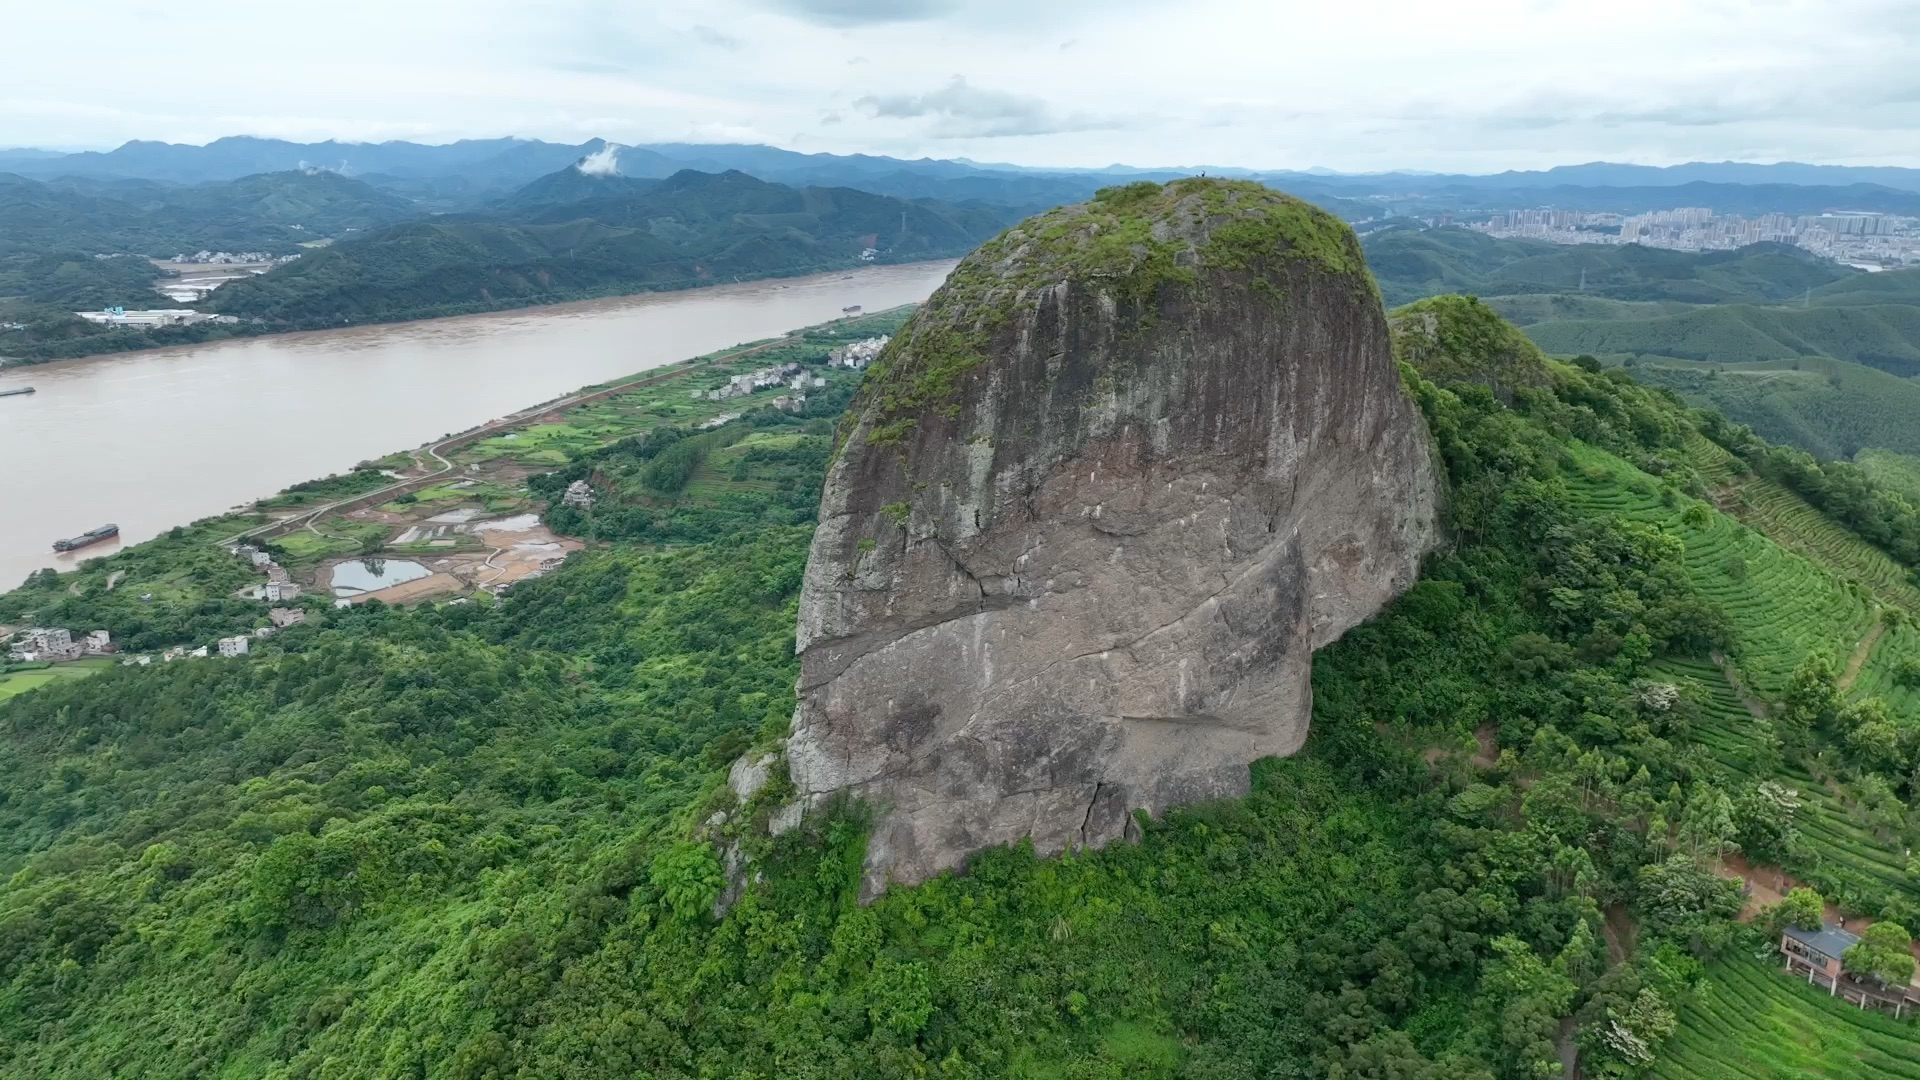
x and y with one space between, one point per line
152 438
113 342
455 517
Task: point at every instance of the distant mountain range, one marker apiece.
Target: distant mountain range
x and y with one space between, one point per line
472 172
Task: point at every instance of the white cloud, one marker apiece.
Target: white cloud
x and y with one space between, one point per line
602 162
1477 85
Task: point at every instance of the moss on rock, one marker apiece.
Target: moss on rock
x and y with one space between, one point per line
1135 243
1458 339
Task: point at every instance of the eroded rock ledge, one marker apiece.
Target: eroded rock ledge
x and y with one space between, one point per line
1090 516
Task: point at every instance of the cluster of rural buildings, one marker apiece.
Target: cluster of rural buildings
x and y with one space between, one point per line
54 643
857 355
280 586
237 645
790 375
235 258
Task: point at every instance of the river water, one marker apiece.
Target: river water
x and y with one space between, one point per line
150 440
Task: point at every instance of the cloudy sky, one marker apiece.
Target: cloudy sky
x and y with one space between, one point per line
1471 85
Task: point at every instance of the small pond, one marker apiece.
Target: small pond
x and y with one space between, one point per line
367 575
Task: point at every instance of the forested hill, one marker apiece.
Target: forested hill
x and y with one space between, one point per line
273 212
468 840
1806 351
1411 263
573 236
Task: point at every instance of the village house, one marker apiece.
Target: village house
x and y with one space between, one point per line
233 646
1819 955
284 617
858 354
47 643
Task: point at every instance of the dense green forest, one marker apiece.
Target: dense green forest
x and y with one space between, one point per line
465 840
1411 263
689 229
1802 350
272 212
69 280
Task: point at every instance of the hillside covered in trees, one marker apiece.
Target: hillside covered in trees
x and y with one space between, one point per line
470 840
689 229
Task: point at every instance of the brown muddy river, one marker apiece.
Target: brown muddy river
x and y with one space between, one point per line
155 439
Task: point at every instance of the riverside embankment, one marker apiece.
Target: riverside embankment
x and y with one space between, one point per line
148 440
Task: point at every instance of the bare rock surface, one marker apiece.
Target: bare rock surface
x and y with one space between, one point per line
1091 514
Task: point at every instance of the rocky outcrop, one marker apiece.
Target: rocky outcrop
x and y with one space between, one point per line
1091 514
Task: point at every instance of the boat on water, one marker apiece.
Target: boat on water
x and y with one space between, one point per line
91 536
16 391
850 309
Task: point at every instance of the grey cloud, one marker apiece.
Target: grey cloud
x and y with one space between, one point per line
707 35
863 12
959 110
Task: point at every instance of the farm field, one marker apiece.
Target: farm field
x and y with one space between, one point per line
19 682
562 437
1753 1022
1789 520
1783 606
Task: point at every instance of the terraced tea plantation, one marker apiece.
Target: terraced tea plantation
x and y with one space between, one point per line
1784 606
1754 1022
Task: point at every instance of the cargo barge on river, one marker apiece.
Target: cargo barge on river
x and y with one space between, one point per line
91 536
16 391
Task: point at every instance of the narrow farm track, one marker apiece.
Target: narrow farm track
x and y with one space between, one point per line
1859 658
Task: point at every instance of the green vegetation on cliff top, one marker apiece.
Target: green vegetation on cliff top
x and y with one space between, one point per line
1131 242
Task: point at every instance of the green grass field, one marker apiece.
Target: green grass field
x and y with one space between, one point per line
1754 1022
19 682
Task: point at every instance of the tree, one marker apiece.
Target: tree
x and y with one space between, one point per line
1813 698
689 878
1801 907
1708 827
900 997
1526 997
1884 954
1872 740
1765 820
1680 899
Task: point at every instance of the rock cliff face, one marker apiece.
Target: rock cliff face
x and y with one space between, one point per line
1091 514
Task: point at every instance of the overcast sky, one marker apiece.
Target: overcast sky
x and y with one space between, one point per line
1471 85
